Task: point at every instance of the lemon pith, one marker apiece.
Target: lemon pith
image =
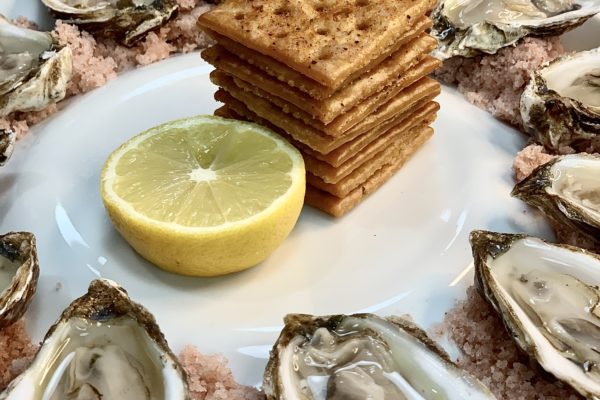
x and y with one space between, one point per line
204 195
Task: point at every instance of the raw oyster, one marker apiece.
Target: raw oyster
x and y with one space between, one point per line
125 20
104 346
471 27
561 104
33 71
7 144
548 298
567 190
362 356
19 273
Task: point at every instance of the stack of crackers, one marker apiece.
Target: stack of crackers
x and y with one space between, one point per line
345 81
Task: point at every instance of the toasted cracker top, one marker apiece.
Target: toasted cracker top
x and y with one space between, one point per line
326 40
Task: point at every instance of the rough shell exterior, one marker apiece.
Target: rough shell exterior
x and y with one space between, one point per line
7 144
556 121
15 299
532 190
123 20
46 87
487 38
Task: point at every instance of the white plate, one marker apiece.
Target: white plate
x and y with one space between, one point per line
404 250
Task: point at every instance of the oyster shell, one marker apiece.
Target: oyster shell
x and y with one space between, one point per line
548 298
33 72
561 104
19 273
125 20
362 356
7 144
471 27
567 190
104 346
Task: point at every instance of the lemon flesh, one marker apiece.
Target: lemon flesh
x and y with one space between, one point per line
205 195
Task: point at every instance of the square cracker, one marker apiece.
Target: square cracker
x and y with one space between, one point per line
345 99
332 175
326 40
380 110
263 112
275 109
398 138
337 206
395 111
295 79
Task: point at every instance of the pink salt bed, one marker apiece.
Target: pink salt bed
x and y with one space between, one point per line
529 159
97 61
16 351
208 376
490 355
495 82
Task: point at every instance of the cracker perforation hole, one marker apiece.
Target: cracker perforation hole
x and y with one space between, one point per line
283 11
239 16
362 3
323 5
364 25
322 31
325 54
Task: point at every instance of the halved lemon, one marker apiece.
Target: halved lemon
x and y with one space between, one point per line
205 195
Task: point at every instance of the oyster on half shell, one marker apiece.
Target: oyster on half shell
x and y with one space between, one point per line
548 298
560 106
567 190
33 71
355 357
19 271
471 27
7 144
104 346
125 20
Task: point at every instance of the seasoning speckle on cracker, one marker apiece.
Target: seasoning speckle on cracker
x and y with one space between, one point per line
344 81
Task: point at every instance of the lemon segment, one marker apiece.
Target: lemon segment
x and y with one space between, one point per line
205 195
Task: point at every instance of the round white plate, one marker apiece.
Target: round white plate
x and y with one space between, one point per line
404 250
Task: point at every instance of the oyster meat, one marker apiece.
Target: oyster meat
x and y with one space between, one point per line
567 190
19 273
561 104
125 20
548 298
104 346
7 144
471 27
33 71
362 356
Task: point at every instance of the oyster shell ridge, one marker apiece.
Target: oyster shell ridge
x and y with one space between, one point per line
15 299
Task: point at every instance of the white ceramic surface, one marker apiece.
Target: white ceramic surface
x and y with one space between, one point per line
404 250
